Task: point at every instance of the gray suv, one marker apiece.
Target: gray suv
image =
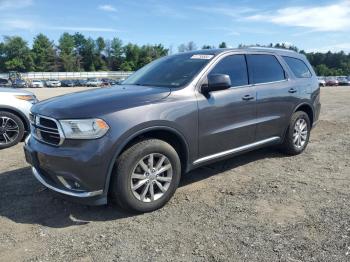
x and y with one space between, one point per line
131 143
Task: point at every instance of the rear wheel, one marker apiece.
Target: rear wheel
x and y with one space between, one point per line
298 134
146 176
11 129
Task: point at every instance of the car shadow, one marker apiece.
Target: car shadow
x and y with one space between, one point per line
24 200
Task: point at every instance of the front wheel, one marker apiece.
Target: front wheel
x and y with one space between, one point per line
298 134
11 129
146 176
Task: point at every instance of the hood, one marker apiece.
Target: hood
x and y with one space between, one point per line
14 91
97 102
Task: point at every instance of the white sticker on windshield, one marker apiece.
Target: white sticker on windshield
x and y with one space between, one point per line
206 57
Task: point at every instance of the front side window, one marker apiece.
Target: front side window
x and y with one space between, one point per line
298 67
170 71
235 66
264 69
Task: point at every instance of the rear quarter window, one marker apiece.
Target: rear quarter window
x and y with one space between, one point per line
298 67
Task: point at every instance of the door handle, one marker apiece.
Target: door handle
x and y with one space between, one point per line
292 90
247 97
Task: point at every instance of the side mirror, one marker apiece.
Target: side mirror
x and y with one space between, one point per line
216 82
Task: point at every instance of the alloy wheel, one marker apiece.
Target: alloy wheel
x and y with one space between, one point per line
151 177
300 133
9 130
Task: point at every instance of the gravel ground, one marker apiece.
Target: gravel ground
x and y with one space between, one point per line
262 206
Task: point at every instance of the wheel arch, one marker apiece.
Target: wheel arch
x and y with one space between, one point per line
19 114
168 134
305 107
308 109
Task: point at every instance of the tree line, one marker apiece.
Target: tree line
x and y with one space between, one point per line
75 52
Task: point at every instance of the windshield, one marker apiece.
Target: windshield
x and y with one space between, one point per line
170 71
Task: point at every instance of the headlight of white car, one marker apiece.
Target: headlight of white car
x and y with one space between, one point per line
30 98
84 128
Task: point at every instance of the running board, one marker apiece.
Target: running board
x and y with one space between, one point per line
236 150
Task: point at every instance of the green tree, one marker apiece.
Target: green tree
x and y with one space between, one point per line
322 70
67 55
207 47
223 45
79 43
100 44
100 58
16 54
148 53
127 66
114 54
88 53
132 56
2 57
190 46
44 54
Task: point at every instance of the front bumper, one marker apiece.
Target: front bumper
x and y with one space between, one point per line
82 194
76 172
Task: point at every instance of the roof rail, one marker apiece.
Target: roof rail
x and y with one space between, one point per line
270 48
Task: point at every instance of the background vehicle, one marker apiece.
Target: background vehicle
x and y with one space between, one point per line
175 114
321 81
93 82
19 83
113 82
67 83
331 81
52 83
5 82
13 75
14 115
81 82
37 83
108 82
76 82
120 81
343 81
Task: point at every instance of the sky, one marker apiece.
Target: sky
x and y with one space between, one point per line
311 25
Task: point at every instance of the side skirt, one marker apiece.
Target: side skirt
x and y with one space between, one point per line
236 150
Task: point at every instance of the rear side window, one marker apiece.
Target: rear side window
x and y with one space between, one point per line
264 69
235 66
298 67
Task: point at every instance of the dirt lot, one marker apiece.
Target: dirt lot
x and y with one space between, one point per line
262 206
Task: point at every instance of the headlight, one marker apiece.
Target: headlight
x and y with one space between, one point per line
29 98
84 128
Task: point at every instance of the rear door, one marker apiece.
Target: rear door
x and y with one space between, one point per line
276 95
227 117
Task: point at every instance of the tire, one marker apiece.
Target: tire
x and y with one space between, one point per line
129 165
292 145
11 129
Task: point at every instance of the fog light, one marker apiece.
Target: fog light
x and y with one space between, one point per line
70 184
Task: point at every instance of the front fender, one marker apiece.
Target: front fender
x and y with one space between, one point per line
127 137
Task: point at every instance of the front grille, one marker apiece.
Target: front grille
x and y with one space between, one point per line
46 129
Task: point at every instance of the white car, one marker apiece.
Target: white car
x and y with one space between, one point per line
37 83
53 83
321 81
93 82
15 107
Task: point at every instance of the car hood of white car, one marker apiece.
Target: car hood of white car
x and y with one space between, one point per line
14 91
